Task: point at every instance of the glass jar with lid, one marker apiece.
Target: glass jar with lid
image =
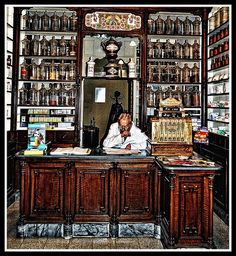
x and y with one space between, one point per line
25 46
196 26
64 22
169 26
62 70
55 22
53 46
72 70
35 45
45 21
178 26
151 26
195 73
62 45
24 69
186 73
73 22
35 21
72 44
44 46
33 95
23 95
160 25
187 25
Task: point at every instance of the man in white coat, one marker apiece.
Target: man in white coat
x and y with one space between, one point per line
124 134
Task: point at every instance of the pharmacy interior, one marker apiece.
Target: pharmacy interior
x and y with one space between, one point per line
69 72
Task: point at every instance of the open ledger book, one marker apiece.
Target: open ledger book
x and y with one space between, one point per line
70 151
121 151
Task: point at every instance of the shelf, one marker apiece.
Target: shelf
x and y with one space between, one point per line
218 69
218 107
219 54
164 36
39 107
174 83
218 94
216 30
47 81
210 46
217 121
42 32
174 60
219 81
48 57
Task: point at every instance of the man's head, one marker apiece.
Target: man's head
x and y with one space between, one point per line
125 122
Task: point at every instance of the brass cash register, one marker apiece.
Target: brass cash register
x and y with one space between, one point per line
171 131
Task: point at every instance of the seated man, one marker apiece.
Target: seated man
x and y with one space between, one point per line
124 134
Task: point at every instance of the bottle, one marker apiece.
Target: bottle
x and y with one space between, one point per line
151 26
187 25
196 26
62 96
151 51
53 46
169 26
55 22
186 73
158 49
150 72
178 26
35 21
44 46
90 67
72 95
178 73
25 46
23 95
8 60
168 49
26 21
24 67
196 50
196 97
33 95
195 73
186 50
52 71
177 49
72 71
45 22
132 68
64 22
62 70
150 97
160 25
33 75
62 45
53 100
187 98
73 22
42 70
72 47
35 45
43 95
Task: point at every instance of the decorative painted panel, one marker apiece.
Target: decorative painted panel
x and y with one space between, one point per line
112 21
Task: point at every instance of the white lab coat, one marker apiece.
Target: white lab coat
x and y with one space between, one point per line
138 139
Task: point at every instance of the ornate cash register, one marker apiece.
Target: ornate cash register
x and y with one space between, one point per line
171 130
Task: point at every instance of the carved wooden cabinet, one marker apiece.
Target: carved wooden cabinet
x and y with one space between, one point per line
187 206
92 193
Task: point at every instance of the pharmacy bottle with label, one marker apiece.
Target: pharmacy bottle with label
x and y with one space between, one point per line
132 68
90 67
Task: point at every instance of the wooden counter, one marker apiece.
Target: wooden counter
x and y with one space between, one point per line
116 196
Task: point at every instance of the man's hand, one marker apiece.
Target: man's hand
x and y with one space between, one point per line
125 134
128 146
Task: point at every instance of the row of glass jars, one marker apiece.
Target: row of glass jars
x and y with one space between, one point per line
222 47
54 95
190 96
52 47
177 50
174 26
45 71
219 35
220 61
218 18
45 22
172 73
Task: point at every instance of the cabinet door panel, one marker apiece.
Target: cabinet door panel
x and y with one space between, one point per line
136 193
91 192
47 191
190 208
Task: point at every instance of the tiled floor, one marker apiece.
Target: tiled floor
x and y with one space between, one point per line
221 239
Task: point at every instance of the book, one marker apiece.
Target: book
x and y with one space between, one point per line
70 151
33 151
121 151
36 135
